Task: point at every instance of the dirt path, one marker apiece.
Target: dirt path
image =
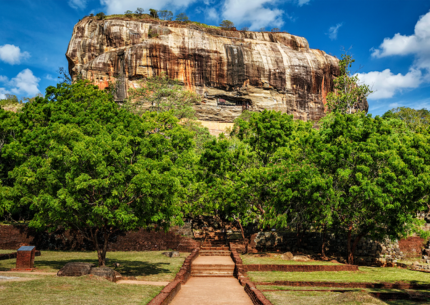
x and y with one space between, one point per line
212 291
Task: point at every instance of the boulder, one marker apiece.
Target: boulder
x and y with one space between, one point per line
172 254
301 258
287 256
175 254
104 272
75 269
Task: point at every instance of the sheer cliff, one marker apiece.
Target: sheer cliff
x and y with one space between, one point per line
231 70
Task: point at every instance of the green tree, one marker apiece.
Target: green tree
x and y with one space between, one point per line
153 13
348 93
139 11
262 30
88 164
159 93
162 94
275 30
165 15
379 172
257 169
182 17
227 25
101 16
128 13
416 120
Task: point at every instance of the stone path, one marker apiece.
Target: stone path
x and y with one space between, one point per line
212 283
212 291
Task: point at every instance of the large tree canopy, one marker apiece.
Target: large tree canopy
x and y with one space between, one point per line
356 175
87 164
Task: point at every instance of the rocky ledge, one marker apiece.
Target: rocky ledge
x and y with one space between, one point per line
231 70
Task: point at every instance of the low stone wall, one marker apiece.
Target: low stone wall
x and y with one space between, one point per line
348 285
300 268
185 272
12 237
412 246
170 291
8 256
256 296
167 294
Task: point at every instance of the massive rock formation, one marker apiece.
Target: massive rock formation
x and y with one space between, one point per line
232 70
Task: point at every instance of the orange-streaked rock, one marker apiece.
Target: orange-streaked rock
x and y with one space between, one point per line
231 70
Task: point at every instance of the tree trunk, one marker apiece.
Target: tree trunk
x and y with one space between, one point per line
101 248
356 241
350 253
323 242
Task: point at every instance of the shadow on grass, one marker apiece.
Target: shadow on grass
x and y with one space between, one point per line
127 268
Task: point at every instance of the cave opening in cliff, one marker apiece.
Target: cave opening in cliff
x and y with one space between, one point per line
223 102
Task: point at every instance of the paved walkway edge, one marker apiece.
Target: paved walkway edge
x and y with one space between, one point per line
170 291
256 296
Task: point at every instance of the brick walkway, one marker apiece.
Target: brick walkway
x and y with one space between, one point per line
212 283
212 291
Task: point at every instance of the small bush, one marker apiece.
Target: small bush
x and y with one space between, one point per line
182 17
128 14
101 16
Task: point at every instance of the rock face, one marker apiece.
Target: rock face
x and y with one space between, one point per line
231 70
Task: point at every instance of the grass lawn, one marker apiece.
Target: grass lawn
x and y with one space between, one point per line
320 298
251 259
73 290
365 274
148 266
7 251
357 296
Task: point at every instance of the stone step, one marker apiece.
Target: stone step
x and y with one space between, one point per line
214 267
212 271
211 275
225 248
214 253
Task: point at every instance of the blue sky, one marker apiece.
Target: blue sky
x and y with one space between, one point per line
390 39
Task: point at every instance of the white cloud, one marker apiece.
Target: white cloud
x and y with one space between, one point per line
385 84
394 105
49 77
417 44
255 12
120 6
12 54
78 4
303 2
211 14
3 93
332 31
24 83
3 79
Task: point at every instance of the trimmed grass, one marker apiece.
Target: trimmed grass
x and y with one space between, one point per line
74 290
7 251
365 274
287 288
320 298
250 259
148 266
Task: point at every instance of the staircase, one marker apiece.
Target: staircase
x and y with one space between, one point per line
214 261
214 249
